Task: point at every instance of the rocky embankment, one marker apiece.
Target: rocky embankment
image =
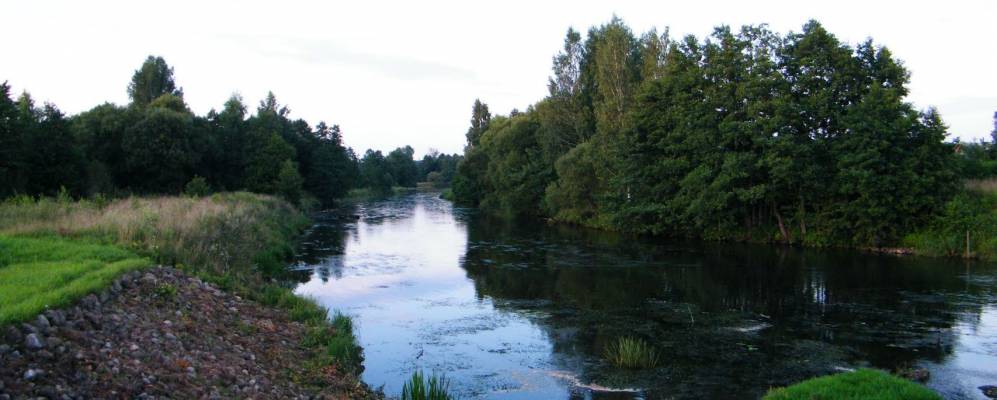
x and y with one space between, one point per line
162 334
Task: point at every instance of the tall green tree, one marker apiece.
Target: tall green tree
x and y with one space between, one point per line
480 117
159 152
402 166
375 172
152 80
11 146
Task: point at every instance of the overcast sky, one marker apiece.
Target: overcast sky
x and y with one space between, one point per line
396 73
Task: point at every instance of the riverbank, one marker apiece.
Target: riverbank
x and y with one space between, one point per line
222 299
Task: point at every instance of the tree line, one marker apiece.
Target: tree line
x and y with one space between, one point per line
744 135
156 144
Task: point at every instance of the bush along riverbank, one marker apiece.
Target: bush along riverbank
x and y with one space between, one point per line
966 227
92 318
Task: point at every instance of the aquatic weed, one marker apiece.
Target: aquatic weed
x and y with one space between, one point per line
419 387
631 353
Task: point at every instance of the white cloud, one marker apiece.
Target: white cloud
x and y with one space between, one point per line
396 73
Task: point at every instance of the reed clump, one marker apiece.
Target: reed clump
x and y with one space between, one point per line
421 387
631 353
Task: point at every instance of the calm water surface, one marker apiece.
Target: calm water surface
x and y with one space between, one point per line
523 311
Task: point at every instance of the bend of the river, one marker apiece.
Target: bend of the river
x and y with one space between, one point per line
524 310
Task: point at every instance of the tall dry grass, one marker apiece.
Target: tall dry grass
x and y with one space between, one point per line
982 185
237 235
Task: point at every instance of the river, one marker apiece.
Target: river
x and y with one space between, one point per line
524 310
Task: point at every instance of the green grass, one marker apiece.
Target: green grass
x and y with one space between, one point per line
865 384
335 337
37 273
54 251
631 353
419 387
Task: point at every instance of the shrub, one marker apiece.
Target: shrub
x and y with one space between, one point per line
971 213
197 187
166 291
289 182
631 353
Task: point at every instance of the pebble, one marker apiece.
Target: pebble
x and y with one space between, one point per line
43 323
56 317
90 302
32 374
33 342
148 278
28 328
13 335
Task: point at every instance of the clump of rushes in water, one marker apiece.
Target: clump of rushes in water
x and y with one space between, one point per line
421 388
632 353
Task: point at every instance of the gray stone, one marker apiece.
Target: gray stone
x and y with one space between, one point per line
13 335
149 279
90 302
56 317
32 374
28 328
42 323
33 342
4 348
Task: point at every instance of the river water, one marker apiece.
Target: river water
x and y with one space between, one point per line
524 310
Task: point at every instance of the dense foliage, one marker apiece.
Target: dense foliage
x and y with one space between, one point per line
156 144
746 135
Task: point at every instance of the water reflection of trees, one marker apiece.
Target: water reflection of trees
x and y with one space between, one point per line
321 248
593 286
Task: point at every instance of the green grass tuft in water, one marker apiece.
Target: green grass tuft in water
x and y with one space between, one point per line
631 353
419 387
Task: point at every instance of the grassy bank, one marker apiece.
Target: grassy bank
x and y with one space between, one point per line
238 238
57 250
864 384
48 272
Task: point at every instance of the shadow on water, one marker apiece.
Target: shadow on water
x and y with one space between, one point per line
524 310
